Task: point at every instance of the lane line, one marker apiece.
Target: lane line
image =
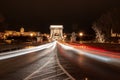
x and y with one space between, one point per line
64 69
52 57
53 62
49 68
53 76
53 67
45 74
27 78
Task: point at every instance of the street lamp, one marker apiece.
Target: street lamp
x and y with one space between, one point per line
80 34
31 34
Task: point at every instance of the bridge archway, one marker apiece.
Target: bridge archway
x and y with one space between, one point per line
56 32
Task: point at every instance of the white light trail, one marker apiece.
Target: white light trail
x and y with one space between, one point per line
65 47
11 54
102 58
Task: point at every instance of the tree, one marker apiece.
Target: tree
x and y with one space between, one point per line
103 26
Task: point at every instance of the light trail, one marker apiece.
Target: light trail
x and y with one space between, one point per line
16 53
48 64
94 53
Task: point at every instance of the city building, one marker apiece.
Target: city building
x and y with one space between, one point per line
20 33
114 34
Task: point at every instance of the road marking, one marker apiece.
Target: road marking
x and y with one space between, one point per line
45 74
52 67
41 66
52 62
32 75
64 69
38 69
52 76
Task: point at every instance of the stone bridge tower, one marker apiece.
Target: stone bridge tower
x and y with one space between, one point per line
56 32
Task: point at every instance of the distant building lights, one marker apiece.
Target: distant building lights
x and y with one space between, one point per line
31 34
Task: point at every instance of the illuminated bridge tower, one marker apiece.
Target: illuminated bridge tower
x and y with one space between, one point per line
56 32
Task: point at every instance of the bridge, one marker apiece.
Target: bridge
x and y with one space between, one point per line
59 61
56 32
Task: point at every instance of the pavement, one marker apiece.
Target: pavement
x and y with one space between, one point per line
61 63
47 67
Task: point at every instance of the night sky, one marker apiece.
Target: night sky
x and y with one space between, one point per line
75 15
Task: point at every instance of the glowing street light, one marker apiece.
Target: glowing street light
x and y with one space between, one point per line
80 34
31 34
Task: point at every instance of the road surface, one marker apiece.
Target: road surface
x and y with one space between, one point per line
56 61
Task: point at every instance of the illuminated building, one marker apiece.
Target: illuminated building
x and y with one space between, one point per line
21 33
114 34
56 32
22 30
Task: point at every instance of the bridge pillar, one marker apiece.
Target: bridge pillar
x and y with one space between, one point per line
56 32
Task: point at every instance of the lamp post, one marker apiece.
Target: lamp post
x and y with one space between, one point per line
81 34
31 34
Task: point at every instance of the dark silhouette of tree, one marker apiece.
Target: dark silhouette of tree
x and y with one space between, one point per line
103 26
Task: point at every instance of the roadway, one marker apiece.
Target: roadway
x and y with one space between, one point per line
56 61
